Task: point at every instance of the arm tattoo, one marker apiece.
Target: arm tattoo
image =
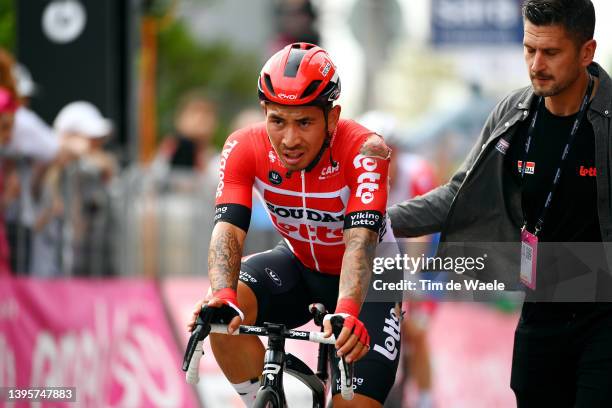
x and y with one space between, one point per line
224 260
375 146
357 263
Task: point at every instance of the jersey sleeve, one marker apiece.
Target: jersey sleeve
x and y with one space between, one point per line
367 179
233 198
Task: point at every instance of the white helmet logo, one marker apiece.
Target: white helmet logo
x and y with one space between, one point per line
285 96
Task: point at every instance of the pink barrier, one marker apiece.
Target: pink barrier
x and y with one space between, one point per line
108 338
472 356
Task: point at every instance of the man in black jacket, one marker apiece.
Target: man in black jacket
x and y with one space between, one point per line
541 172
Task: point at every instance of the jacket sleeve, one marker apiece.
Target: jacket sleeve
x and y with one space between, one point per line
427 214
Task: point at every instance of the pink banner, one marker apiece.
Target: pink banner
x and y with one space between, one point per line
108 338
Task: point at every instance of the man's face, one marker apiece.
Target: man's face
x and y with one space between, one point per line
197 121
553 58
298 132
77 144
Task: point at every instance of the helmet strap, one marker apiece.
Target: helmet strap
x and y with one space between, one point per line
326 142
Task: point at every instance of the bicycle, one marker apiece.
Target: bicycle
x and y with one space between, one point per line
276 361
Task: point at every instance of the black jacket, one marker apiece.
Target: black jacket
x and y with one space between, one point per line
479 205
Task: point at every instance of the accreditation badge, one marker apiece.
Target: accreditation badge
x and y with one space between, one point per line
529 258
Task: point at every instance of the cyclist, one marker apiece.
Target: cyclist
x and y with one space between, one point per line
323 181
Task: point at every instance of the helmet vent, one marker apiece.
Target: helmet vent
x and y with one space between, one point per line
311 88
268 82
293 62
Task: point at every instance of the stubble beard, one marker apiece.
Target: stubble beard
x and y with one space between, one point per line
555 88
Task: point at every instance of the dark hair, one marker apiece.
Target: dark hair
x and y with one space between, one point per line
193 97
7 80
576 16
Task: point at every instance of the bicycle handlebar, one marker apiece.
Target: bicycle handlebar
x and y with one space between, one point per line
195 349
191 365
192 376
315 337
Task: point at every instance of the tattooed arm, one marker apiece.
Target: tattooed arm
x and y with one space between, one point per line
224 256
353 341
367 177
370 179
357 263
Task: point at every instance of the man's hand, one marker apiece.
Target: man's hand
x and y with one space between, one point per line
224 297
354 340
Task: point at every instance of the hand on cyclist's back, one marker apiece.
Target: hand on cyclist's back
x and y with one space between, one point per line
354 340
224 297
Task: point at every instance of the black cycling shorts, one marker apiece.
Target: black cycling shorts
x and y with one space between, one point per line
284 288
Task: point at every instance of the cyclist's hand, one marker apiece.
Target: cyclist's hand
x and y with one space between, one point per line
224 297
194 314
354 340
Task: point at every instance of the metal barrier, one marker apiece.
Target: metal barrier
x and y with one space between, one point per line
163 224
144 222
59 219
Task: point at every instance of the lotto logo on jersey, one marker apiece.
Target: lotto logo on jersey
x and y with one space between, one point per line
368 180
529 168
222 163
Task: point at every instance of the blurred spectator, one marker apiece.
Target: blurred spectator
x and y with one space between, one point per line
176 202
8 105
247 117
295 22
73 219
409 176
26 87
189 147
28 148
31 136
9 99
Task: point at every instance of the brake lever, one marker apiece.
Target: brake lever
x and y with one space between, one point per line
199 333
318 312
346 369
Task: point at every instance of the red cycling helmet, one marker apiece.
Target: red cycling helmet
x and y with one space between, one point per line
299 74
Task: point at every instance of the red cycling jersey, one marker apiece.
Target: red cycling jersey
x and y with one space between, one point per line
310 209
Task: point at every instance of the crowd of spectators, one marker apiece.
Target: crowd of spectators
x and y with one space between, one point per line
54 183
